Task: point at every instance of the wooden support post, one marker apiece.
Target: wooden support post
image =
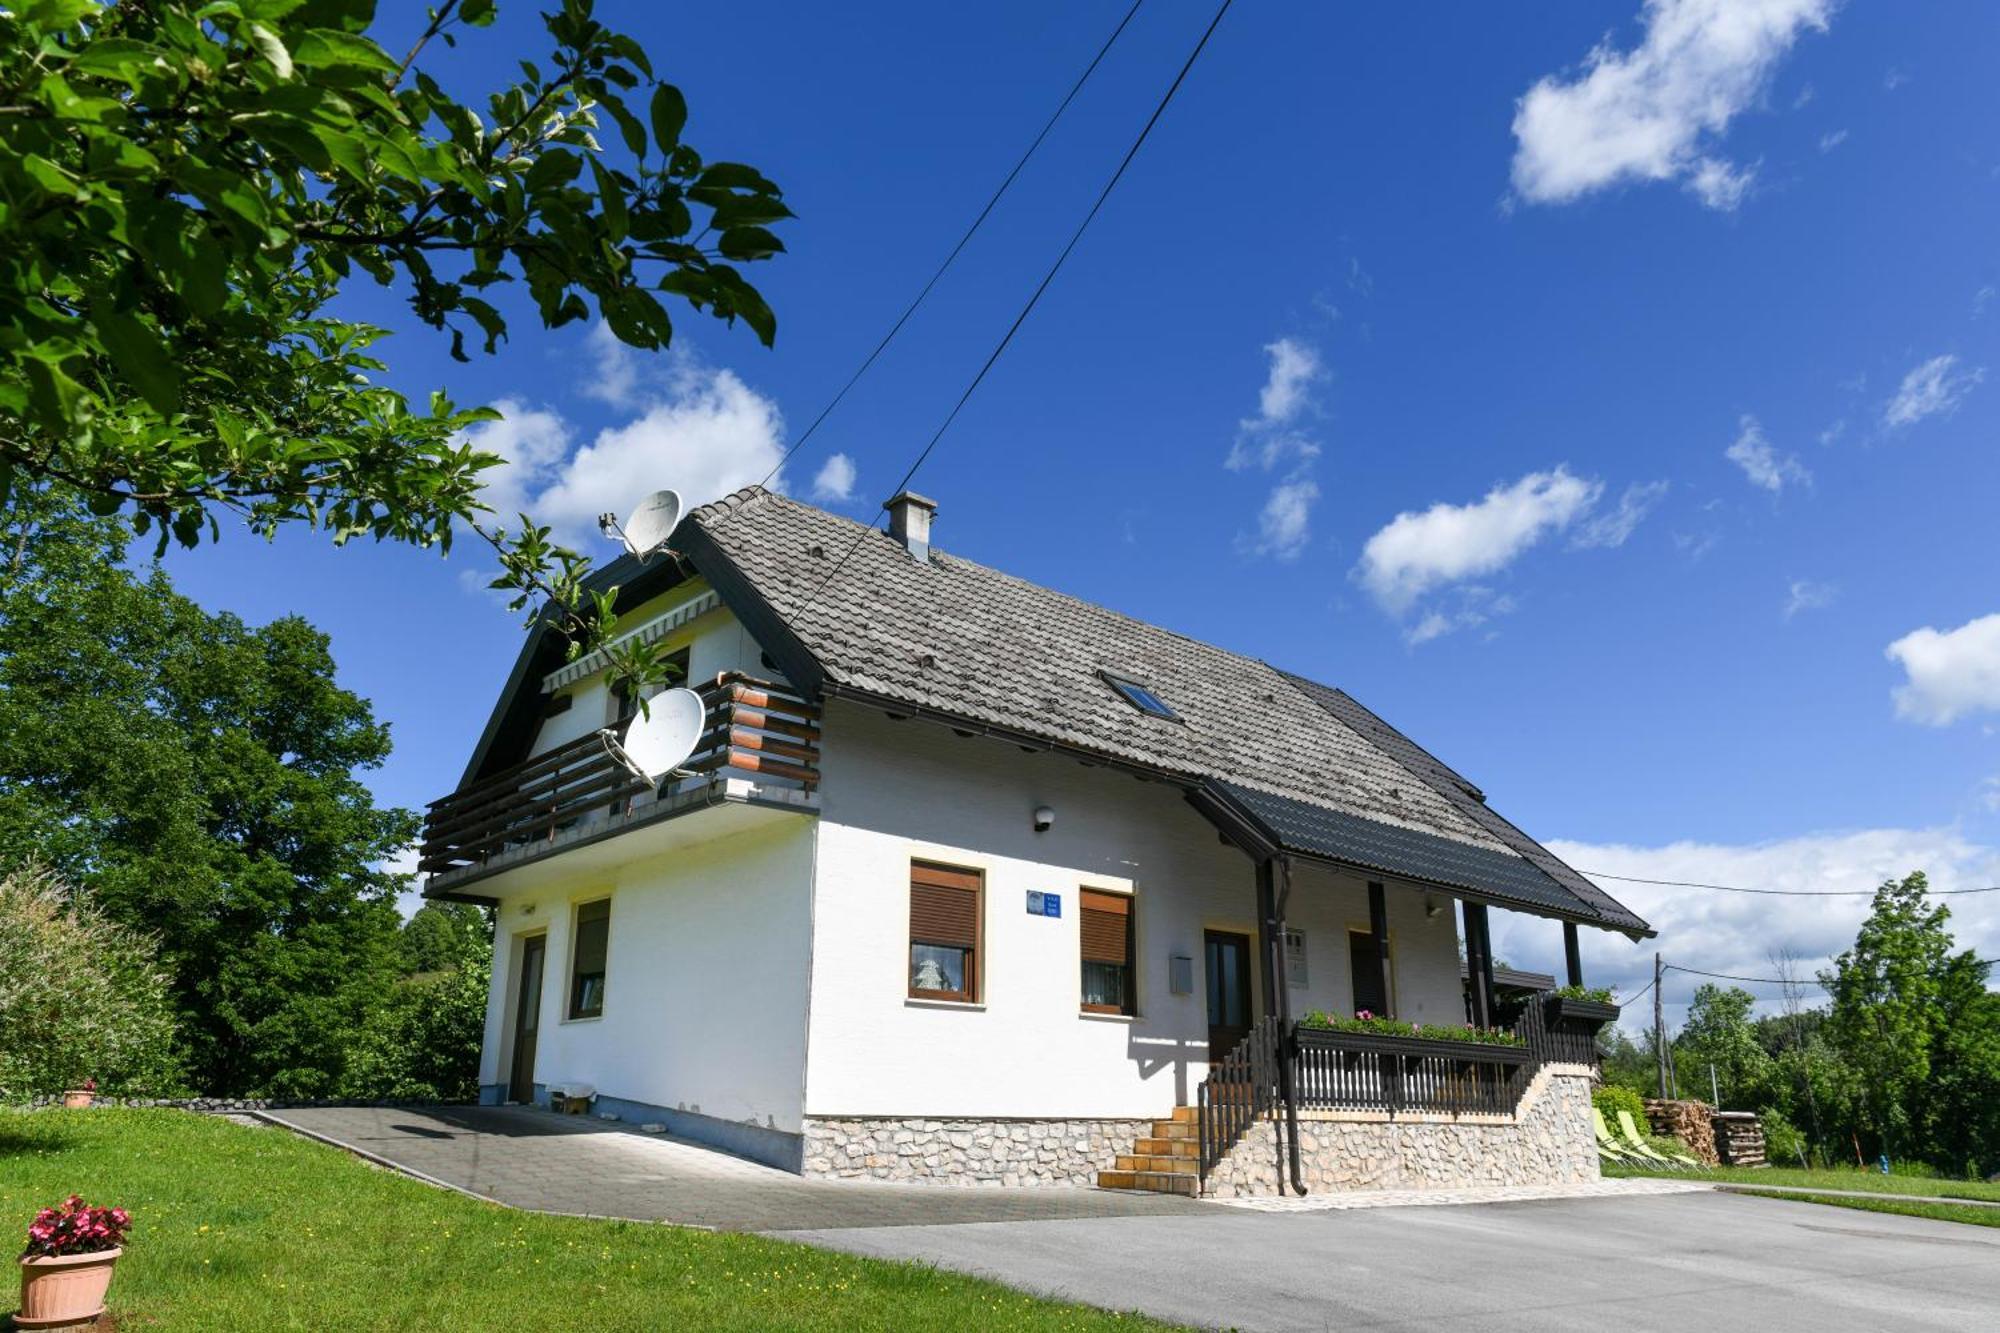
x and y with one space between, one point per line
1378 926
1478 964
1572 954
1270 940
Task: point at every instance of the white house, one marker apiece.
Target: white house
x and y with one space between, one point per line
974 881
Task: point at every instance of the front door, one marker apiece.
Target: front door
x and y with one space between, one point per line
527 1019
1227 956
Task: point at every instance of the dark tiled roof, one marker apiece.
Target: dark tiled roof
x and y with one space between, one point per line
1470 801
973 643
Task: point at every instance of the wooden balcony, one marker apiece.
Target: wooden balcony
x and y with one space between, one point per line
758 731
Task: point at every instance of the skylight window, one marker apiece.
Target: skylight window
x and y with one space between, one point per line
1140 696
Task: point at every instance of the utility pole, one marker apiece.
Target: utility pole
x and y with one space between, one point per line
1659 1027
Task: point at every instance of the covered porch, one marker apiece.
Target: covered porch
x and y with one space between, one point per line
1374 1063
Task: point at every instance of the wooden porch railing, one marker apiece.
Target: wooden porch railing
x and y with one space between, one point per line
1240 1090
1366 1071
756 729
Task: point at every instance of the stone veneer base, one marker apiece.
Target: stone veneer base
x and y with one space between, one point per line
944 1151
1548 1142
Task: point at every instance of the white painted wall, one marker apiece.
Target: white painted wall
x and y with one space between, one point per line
893 791
705 985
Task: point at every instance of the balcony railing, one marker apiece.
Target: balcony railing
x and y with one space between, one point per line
757 730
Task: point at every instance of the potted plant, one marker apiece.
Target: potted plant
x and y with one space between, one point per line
66 1268
78 1098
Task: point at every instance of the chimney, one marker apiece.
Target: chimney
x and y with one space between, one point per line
910 517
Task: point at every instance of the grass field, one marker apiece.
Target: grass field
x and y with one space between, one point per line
1839 1178
1970 1213
241 1228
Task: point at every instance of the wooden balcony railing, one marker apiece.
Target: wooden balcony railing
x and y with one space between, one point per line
1366 1071
757 729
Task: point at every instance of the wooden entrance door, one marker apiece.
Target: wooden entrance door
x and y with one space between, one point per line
527 1018
1227 955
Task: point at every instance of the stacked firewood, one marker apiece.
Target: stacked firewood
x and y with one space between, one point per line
1687 1121
1739 1138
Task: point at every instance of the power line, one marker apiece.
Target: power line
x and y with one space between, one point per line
1033 299
1632 998
1724 976
1777 893
949 259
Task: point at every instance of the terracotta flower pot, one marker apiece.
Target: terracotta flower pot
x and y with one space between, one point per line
78 1098
65 1289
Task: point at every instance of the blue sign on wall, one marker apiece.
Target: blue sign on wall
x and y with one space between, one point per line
1044 904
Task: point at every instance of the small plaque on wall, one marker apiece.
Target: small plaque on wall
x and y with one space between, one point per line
1180 974
1044 904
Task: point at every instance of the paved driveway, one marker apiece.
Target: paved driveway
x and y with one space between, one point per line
1678 1262
571 1164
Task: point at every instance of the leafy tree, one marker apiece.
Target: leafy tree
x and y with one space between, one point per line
1718 1033
421 1041
199 776
185 188
81 996
1960 1112
1889 1006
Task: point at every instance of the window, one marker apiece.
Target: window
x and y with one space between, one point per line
1369 992
1295 958
1139 696
1105 923
588 947
944 932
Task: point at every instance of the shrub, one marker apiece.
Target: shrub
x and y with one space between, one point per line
1611 1100
81 996
1594 994
1783 1143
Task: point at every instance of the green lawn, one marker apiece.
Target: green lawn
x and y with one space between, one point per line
1834 1178
1970 1213
236 1227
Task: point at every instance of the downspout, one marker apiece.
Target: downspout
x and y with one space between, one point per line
1287 1053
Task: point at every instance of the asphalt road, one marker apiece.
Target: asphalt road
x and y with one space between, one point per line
1678 1262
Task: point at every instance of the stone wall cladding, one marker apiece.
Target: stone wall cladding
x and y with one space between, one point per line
1550 1142
968 1152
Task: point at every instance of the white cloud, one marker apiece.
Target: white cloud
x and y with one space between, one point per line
699 429
1447 543
1285 525
1983 298
1935 387
617 379
1762 464
1894 77
1806 595
1614 527
1950 672
1468 607
1271 439
1989 794
1654 112
1736 932
835 480
1832 140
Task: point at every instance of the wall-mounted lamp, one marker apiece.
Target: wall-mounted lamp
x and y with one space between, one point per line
1431 908
527 909
1045 816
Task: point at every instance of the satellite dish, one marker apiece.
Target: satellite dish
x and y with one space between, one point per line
662 737
650 525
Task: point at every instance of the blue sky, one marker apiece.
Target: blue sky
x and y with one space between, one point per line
1598 405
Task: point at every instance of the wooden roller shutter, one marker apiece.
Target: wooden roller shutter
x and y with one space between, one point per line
1106 927
944 906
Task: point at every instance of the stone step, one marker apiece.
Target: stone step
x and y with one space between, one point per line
1160 1182
1168 1147
1177 1166
1176 1129
1187 1115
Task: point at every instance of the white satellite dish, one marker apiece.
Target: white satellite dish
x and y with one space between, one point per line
650 525
662 737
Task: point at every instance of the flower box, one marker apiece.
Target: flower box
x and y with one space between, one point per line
1374 1043
1591 1014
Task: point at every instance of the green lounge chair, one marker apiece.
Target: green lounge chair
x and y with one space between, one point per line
1636 1143
1608 1146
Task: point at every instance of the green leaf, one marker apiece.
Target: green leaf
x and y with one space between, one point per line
478 13
273 48
329 48
611 201
136 351
747 243
669 113
345 150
